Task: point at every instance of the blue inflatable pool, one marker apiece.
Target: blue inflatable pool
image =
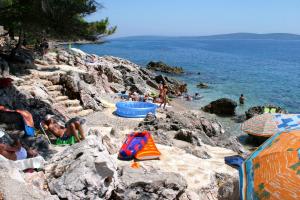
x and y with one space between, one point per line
135 109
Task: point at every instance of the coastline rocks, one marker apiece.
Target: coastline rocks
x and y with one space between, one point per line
186 126
174 85
229 187
192 128
13 185
81 86
223 106
202 85
163 67
258 110
83 170
149 184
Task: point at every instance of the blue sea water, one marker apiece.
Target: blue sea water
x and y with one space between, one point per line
265 71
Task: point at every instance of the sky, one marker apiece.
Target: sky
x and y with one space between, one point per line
200 17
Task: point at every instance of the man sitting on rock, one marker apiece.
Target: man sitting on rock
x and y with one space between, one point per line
71 128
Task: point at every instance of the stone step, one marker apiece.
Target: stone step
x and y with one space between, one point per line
46 83
32 81
82 113
55 93
74 109
69 103
47 76
55 88
61 98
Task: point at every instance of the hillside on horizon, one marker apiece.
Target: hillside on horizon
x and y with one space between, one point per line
236 36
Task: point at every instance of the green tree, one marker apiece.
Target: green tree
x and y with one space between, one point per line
55 19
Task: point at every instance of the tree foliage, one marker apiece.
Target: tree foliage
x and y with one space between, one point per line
57 19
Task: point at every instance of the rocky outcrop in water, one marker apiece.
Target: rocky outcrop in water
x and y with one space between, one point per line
258 110
222 106
202 85
163 67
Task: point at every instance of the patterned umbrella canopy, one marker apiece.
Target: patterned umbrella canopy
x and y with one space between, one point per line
267 124
273 170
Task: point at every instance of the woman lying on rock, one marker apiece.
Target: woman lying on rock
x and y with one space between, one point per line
71 128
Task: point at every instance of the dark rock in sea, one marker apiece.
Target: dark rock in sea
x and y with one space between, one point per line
258 110
163 67
202 85
224 106
199 73
239 118
149 184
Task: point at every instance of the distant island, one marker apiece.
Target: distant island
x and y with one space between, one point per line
230 36
254 36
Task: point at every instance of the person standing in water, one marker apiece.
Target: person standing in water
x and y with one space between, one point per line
242 99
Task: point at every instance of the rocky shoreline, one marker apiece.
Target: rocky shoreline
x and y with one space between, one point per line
71 83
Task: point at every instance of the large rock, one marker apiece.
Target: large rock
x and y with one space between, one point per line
258 110
222 106
148 185
186 126
112 74
82 86
82 171
190 127
163 67
135 82
229 188
14 187
174 86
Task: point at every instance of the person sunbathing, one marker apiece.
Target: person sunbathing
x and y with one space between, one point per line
16 151
71 128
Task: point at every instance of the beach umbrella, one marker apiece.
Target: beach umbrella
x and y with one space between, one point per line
273 170
268 124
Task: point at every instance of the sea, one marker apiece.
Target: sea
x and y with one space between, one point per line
266 71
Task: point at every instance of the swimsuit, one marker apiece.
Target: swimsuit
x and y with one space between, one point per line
21 154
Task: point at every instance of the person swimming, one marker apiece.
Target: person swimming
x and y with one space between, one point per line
242 99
